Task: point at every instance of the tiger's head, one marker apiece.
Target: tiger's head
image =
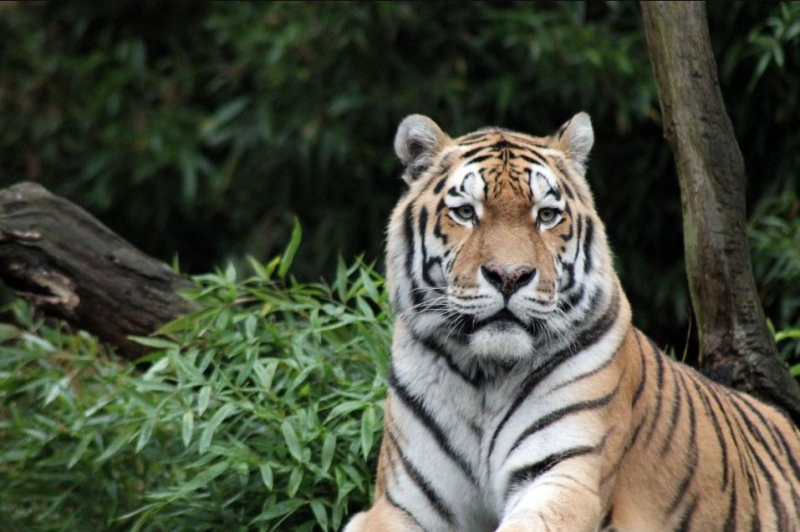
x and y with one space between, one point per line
496 248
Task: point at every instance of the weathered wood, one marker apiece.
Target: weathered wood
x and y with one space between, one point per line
64 261
736 348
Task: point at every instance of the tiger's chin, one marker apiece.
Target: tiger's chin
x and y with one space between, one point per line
501 341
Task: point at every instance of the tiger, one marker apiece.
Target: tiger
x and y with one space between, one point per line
521 397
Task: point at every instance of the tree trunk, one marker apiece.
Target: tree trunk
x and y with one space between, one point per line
61 259
736 348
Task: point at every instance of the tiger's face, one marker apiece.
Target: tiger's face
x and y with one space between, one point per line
492 247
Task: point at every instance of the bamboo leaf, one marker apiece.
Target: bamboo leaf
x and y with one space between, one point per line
187 428
213 425
291 249
292 443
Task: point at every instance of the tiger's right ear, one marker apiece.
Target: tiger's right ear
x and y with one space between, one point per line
416 143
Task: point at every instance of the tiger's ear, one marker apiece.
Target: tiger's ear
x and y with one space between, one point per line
416 143
575 138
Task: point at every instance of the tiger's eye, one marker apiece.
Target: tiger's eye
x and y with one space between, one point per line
465 212
547 215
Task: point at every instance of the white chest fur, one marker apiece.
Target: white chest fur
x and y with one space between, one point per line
457 433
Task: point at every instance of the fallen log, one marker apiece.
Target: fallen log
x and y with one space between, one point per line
69 265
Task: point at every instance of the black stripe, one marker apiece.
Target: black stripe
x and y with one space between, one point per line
424 486
612 471
422 414
594 301
754 430
568 190
408 230
588 373
585 340
634 438
686 520
730 520
482 173
755 460
778 438
574 298
532 158
755 524
482 135
440 184
558 162
659 387
553 192
440 350
691 468
427 262
568 236
527 474
676 412
467 143
607 520
569 269
474 151
701 392
530 185
478 159
504 145
561 413
529 143
577 242
768 425
587 245
405 510
423 229
712 393
390 452
643 378
417 296
777 502
437 231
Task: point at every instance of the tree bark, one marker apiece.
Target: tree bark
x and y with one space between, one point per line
736 347
61 259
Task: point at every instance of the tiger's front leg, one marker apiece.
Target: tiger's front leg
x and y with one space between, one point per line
564 499
382 517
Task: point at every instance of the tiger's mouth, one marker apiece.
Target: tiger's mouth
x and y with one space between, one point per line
502 319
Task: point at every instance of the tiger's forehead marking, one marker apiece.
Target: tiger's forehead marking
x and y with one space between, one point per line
469 181
500 168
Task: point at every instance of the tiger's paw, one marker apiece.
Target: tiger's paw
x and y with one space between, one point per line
514 528
523 522
357 523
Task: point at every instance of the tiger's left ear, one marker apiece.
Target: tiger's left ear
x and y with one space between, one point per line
575 138
417 142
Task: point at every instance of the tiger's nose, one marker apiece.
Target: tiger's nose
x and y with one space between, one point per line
508 279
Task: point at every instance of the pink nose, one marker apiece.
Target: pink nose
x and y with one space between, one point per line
508 279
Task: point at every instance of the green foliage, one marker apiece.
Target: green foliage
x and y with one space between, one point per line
775 246
770 39
259 412
206 129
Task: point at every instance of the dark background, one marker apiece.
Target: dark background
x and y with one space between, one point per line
200 131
